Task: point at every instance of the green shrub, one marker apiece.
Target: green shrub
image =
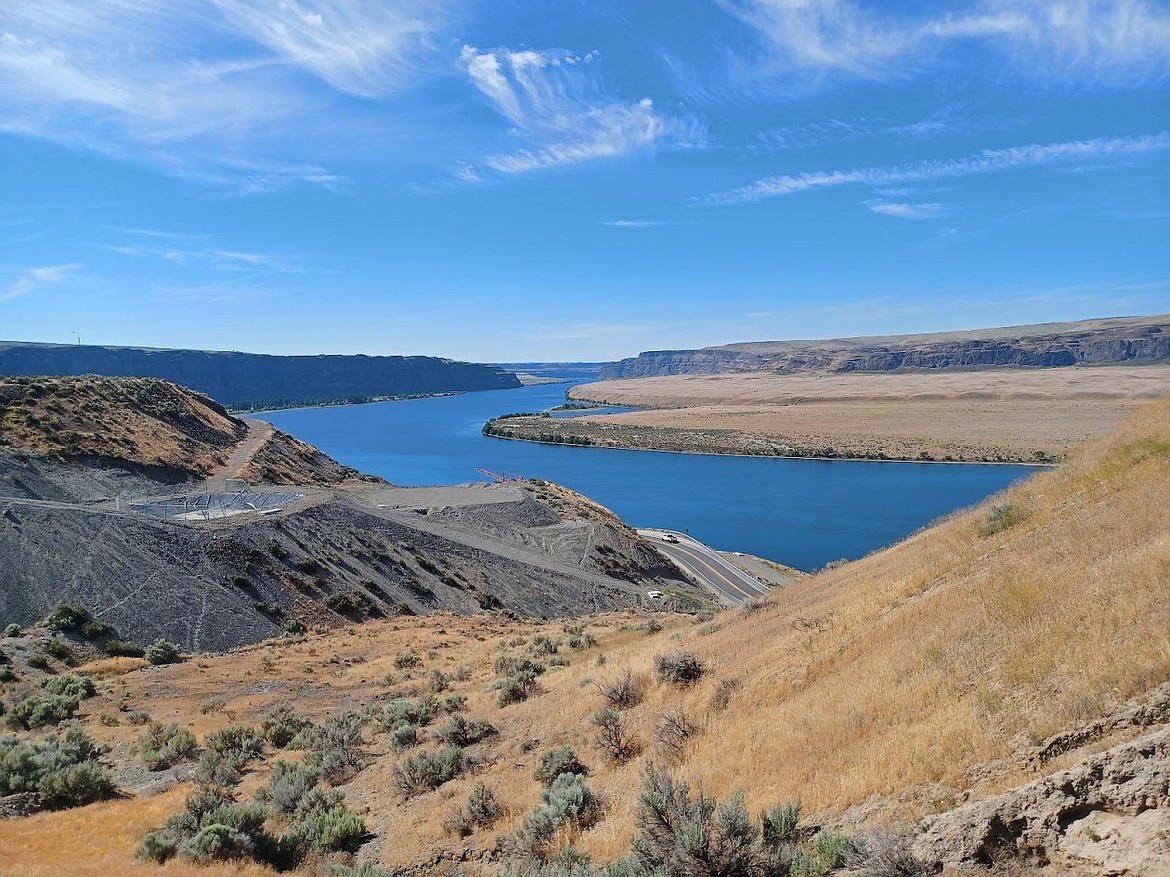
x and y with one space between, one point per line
678 668
1000 518
293 626
455 703
336 751
243 740
557 761
217 843
289 785
76 687
404 737
67 618
166 745
428 770
568 801
62 770
38 661
681 834
13 630
162 652
510 665
38 709
327 829
96 629
405 712
482 807
516 689
543 645
158 847
216 770
281 726
120 649
59 649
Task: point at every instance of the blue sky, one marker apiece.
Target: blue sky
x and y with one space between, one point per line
516 179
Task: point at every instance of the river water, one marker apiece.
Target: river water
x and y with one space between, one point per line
804 513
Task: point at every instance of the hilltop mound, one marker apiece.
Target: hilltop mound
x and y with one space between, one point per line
1012 657
88 438
142 421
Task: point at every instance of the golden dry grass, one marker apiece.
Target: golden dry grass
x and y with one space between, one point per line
965 415
143 420
903 679
98 841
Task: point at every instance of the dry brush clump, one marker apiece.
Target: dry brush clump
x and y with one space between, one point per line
678 668
615 739
673 730
624 691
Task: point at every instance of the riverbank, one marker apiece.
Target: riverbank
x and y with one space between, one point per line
603 432
334 403
1003 415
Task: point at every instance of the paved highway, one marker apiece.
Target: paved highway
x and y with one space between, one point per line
708 566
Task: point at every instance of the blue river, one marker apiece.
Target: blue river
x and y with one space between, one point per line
804 513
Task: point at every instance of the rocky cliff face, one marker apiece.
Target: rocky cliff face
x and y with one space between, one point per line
251 379
1099 343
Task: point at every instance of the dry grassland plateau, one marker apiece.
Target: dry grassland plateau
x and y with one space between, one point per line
1006 414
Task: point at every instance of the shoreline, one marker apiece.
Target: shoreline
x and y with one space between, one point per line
837 459
339 403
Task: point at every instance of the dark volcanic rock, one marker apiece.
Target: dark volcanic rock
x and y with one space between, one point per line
1133 341
252 379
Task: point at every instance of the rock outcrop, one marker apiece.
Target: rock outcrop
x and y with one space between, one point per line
1131 340
241 380
1107 815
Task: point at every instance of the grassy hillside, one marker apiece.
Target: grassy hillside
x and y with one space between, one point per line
147 422
140 420
901 682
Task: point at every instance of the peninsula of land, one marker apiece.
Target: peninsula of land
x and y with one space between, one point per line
967 399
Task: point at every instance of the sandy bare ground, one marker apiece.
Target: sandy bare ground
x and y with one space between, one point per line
1012 413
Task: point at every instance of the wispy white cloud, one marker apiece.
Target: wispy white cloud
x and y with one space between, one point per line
635 223
167 235
1095 38
987 161
197 88
362 47
32 279
214 259
903 210
556 104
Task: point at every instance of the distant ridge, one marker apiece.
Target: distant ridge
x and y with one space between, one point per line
243 380
1131 340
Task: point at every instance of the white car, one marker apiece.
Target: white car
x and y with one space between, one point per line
654 595
669 537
